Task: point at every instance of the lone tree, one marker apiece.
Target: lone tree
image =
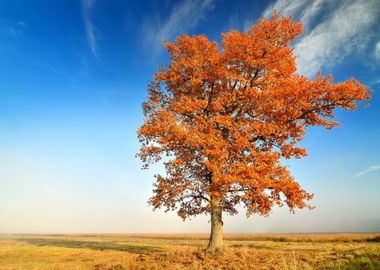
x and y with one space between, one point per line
224 116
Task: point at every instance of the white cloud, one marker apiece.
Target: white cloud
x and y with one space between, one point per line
344 27
377 51
369 170
89 27
295 8
184 16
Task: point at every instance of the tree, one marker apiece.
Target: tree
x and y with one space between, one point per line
225 117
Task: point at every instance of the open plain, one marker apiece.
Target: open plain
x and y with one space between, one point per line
187 251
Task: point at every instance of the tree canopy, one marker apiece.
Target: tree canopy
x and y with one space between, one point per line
224 116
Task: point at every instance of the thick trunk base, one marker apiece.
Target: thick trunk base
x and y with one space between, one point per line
216 237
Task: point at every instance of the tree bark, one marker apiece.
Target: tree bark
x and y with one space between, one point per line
216 237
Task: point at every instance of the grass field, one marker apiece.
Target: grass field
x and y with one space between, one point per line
250 251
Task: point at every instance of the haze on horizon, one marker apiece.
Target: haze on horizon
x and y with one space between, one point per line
73 76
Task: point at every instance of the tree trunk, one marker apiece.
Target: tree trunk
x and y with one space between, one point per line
216 237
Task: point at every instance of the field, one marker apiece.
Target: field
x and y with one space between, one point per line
174 251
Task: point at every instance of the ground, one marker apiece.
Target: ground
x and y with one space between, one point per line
249 251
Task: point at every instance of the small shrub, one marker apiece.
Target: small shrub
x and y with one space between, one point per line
375 239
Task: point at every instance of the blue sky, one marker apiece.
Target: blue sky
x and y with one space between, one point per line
73 75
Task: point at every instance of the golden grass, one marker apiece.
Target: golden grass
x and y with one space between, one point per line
186 251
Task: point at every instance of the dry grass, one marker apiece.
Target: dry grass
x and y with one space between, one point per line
174 251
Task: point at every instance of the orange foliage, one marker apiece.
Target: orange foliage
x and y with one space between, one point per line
225 116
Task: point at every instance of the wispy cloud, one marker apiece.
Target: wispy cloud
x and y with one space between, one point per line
375 82
183 17
343 27
377 51
89 27
369 170
296 8
15 29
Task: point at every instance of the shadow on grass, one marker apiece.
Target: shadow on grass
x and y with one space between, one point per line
90 245
362 263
